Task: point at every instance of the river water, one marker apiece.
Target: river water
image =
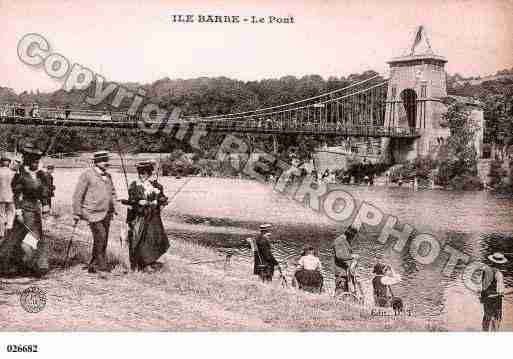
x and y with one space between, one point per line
222 213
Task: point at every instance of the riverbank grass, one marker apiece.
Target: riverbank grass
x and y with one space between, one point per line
181 296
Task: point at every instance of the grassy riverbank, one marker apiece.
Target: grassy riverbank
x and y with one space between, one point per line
180 297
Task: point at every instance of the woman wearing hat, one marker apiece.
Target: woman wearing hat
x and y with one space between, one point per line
6 197
383 279
31 200
492 292
147 239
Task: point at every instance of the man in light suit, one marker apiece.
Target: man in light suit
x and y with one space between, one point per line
94 201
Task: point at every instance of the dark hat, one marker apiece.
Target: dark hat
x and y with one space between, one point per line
307 249
145 164
145 167
29 149
265 227
3 157
379 269
101 156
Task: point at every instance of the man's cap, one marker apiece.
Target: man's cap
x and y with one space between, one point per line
101 156
30 149
498 258
265 227
145 165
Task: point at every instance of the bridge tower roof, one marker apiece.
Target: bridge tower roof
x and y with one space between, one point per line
419 51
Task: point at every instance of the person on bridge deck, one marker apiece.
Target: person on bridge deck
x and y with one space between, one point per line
383 279
147 238
345 260
30 192
308 273
6 197
94 201
492 292
67 111
34 111
264 260
51 186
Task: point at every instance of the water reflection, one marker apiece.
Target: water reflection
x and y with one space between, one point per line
475 223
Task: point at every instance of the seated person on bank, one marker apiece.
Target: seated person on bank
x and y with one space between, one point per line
308 273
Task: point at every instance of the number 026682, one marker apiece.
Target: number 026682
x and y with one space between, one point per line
14 348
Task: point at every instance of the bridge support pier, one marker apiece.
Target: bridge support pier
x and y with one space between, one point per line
400 150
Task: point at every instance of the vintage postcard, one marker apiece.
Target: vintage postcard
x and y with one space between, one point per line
260 166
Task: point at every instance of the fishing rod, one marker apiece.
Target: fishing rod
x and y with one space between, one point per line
180 189
206 262
122 163
124 176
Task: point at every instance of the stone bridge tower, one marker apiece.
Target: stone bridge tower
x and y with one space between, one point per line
416 87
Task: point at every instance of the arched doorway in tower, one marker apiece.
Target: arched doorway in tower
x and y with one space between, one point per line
409 99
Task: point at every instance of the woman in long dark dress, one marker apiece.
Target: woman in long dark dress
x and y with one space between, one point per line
147 239
30 191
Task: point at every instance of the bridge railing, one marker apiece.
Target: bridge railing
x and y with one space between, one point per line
122 119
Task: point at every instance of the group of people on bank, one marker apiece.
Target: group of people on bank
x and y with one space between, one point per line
308 274
95 202
25 198
27 191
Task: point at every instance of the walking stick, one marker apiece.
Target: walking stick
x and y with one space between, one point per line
70 242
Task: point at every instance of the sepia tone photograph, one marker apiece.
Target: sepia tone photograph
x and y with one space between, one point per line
239 166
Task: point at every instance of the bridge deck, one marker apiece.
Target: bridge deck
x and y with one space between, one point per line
315 129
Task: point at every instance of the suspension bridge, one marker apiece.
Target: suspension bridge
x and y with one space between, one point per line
355 110
401 117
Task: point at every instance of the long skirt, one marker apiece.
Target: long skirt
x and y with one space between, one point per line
147 240
309 278
13 259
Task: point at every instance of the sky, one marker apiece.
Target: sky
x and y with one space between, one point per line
136 41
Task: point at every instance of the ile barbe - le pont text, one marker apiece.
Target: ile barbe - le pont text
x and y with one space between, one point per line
231 19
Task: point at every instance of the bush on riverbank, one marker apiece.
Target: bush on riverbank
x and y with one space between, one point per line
499 179
457 157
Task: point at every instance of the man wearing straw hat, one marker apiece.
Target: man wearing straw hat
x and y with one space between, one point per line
264 259
6 197
94 201
492 292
